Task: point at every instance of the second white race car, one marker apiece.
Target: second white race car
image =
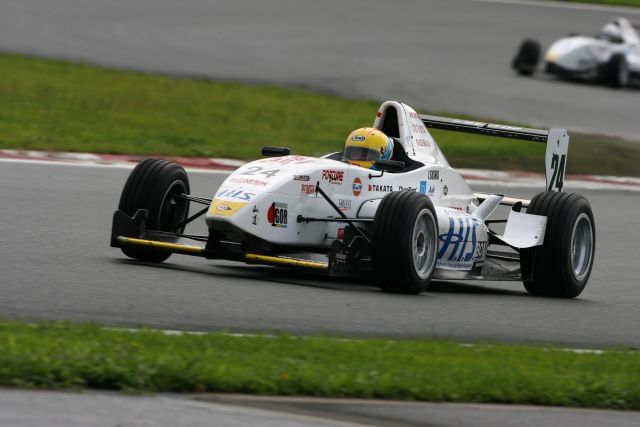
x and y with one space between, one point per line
411 220
611 58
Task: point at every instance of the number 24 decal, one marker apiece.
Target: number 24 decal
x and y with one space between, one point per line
557 164
259 170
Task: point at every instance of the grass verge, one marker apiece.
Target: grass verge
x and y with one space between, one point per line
64 355
61 106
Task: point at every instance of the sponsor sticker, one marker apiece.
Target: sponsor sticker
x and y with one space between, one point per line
434 175
248 181
341 233
423 142
224 207
358 138
401 188
356 187
445 190
277 214
380 188
333 176
301 178
307 188
287 159
423 187
254 215
344 204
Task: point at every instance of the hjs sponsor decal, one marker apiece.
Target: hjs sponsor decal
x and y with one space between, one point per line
277 214
458 247
235 194
333 176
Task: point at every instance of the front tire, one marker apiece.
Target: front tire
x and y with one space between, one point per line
527 58
615 72
155 185
405 242
562 265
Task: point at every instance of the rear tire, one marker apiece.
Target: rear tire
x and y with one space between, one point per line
154 185
405 242
527 58
562 265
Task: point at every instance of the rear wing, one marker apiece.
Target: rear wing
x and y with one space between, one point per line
556 140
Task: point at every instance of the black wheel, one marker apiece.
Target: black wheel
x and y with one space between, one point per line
155 185
615 72
527 58
405 242
562 265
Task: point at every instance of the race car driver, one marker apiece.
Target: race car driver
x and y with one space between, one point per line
366 145
611 32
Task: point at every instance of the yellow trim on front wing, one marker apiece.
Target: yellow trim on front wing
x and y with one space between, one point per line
173 247
265 259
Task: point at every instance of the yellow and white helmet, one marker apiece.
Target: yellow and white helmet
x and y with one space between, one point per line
366 145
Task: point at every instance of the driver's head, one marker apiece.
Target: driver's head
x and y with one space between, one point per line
611 32
366 145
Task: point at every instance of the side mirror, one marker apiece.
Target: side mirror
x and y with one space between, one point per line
389 165
270 151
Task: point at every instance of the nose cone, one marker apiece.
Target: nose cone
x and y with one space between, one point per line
572 54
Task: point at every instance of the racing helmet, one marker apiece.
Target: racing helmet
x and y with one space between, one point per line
366 145
611 32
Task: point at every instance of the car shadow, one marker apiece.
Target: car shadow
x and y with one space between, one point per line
312 279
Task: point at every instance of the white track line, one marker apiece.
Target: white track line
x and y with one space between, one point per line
623 10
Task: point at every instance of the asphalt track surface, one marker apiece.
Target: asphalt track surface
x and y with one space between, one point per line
56 264
442 55
102 409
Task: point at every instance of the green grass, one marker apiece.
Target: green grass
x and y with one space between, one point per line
70 356
61 106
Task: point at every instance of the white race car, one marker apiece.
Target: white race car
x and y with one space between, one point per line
611 58
412 220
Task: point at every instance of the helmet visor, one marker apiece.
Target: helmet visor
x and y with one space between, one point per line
362 154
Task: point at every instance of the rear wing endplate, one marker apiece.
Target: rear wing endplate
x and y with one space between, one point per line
557 141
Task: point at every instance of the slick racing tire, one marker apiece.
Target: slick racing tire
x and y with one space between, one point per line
405 242
527 58
615 72
155 185
562 265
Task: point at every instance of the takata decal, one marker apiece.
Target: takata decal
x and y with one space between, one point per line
333 176
235 194
307 188
248 181
380 188
356 187
344 204
423 187
224 207
301 178
277 214
459 246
